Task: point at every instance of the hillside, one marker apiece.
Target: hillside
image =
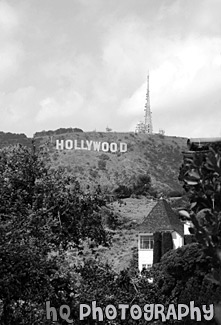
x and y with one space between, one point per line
8 138
159 155
128 214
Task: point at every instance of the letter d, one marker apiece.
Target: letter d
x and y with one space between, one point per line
123 147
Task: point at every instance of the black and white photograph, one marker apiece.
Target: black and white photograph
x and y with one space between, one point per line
110 162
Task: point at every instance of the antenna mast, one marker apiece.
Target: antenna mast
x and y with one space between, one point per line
146 126
148 117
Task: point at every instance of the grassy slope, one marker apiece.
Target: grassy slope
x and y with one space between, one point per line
160 155
124 241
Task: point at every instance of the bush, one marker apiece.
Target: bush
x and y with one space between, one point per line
183 276
42 210
189 239
104 156
142 184
122 192
102 164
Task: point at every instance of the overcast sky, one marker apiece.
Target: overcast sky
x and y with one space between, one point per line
84 63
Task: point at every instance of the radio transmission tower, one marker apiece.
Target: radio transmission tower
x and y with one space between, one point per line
148 117
146 126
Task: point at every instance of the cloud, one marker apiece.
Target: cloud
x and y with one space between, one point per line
8 17
11 55
11 51
126 55
18 109
183 72
58 108
84 63
183 18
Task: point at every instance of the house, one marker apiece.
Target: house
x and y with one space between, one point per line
161 218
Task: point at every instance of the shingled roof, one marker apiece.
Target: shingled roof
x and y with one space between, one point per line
160 218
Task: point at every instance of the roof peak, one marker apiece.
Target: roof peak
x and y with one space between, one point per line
161 217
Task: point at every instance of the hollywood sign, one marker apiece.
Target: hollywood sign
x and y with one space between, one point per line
90 145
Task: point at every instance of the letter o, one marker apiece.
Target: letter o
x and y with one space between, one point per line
113 147
114 312
69 144
105 146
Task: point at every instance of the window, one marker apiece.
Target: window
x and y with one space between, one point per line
146 242
146 266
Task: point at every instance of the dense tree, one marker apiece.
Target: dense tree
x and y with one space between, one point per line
41 211
142 184
32 192
138 185
183 275
201 176
122 192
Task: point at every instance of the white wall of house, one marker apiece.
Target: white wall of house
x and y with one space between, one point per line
178 240
145 256
187 225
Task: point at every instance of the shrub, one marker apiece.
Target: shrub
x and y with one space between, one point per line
142 184
93 173
189 239
182 276
102 164
42 210
123 192
103 156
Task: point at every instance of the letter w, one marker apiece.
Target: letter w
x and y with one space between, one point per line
96 145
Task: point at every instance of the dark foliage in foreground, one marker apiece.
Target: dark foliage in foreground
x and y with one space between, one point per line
201 177
41 211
